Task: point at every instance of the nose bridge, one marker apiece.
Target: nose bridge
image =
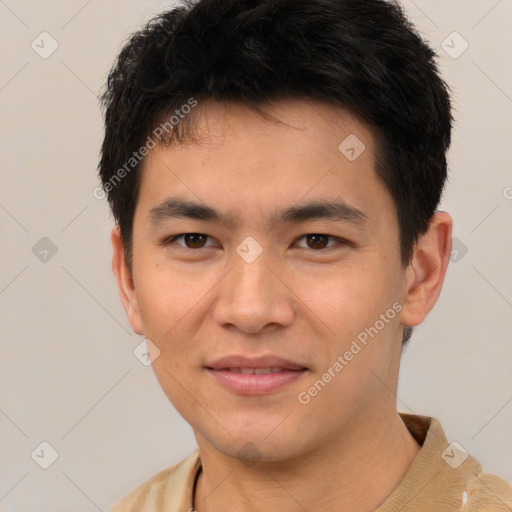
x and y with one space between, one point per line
251 277
251 296
250 281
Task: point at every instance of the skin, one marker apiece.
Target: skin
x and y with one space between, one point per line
347 449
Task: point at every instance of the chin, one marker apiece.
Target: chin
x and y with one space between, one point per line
255 444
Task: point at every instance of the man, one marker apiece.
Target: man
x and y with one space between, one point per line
274 169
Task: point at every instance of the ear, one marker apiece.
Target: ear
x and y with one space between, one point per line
424 277
125 283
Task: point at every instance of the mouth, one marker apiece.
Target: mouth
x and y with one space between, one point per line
259 376
256 371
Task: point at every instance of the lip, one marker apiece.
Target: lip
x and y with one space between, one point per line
263 384
255 384
235 361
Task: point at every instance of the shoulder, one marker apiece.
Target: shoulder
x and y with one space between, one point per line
444 477
169 489
489 493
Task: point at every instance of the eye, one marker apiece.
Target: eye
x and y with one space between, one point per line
191 240
318 241
315 241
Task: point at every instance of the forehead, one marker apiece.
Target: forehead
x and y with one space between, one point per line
212 122
244 162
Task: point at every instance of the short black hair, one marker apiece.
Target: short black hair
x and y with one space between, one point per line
363 55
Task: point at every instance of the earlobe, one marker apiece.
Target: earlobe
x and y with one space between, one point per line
125 283
425 275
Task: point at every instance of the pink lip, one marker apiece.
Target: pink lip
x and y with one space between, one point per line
257 384
235 361
245 384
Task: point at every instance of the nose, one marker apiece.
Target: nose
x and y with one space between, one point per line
253 297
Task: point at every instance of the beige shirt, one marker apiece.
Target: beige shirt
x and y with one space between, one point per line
442 478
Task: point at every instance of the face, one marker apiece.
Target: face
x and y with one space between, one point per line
319 289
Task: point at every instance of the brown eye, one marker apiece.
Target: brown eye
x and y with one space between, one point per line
319 242
316 241
191 240
195 240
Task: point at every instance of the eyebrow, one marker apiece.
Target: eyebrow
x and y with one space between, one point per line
335 209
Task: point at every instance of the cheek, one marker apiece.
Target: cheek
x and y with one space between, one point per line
173 305
345 298
350 302
164 295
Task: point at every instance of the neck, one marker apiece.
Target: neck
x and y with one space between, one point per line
356 472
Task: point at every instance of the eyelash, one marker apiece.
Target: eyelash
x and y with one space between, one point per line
341 241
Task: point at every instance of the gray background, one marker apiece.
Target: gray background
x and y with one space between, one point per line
67 372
